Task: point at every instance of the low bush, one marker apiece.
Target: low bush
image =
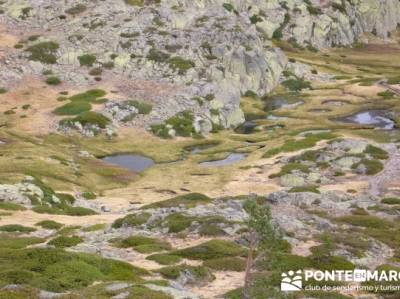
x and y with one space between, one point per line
89 118
49 224
144 244
199 273
143 108
391 201
11 206
131 220
372 166
212 249
44 52
177 222
376 152
164 259
53 80
226 264
16 228
12 242
296 84
66 210
73 108
188 200
312 189
87 59
180 64
65 241
365 221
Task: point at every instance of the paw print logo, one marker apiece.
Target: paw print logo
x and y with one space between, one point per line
292 281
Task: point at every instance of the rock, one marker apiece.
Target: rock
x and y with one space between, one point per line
122 295
49 295
117 286
292 180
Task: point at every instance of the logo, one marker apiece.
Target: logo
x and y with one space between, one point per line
292 281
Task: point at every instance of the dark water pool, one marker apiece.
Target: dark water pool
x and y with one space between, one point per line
376 118
133 162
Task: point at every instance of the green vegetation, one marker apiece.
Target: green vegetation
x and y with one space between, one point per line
16 228
226 264
188 200
73 108
143 108
57 270
131 220
310 140
2 90
288 168
43 52
53 80
178 222
12 242
296 84
49 224
376 152
366 221
179 64
139 3
391 201
88 118
95 227
181 123
372 166
87 59
143 244
11 206
88 195
64 210
164 259
65 241
157 56
387 95
199 273
313 189
212 249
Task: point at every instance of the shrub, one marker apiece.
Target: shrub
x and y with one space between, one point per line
11 242
143 108
177 222
88 195
16 228
312 189
73 108
226 264
139 3
182 123
65 241
199 273
87 59
365 221
88 96
188 200
212 249
49 224
144 244
131 220
97 71
376 152
53 80
157 56
43 52
372 166
94 227
164 259
391 201
180 64
89 118
386 94
2 90
296 84
57 270
288 168
11 206
67 210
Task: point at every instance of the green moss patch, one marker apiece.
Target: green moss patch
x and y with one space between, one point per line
211 250
164 259
131 220
143 244
49 224
188 200
65 241
16 228
226 264
366 221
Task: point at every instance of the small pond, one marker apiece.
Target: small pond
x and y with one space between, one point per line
133 162
376 118
232 158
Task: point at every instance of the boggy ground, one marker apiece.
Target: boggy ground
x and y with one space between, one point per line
178 227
